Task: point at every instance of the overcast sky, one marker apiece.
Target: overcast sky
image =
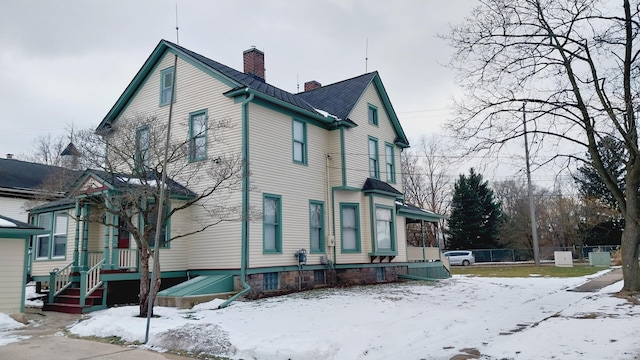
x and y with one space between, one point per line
69 61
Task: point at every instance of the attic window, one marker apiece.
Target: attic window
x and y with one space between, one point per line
166 85
373 115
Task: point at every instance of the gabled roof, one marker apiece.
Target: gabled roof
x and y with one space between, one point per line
121 181
337 99
114 181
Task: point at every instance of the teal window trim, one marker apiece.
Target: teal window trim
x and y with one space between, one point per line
198 138
390 161
372 114
276 223
317 228
166 85
299 141
166 244
355 228
48 251
392 231
374 158
141 157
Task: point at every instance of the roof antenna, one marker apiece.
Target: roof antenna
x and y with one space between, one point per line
366 57
298 82
177 37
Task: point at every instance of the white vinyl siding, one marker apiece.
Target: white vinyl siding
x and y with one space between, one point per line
274 172
219 246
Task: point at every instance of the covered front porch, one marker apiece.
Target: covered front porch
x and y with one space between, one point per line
99 249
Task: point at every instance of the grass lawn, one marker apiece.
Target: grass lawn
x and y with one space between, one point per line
524 270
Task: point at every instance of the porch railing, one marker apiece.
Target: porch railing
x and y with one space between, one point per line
128 259
424 254
90 281
59 280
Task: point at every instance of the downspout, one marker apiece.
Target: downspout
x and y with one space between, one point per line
245 202
332 235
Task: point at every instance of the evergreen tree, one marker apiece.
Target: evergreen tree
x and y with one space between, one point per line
590 184
475 214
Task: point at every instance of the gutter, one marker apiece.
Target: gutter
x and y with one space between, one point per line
245 201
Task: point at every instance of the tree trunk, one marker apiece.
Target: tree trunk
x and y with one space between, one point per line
144 282
629 244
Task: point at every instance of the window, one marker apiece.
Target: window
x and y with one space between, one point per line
316 226
52 245
272 227
318 277
299 142
150 222
374 169
391 163
381 274
60 235
142 148
198 135
349 227
373 115
166 85
270 281
384 229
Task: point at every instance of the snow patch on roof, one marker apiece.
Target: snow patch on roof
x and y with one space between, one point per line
325 113
7 223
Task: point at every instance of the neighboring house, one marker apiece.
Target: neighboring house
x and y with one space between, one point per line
323 167
14 245
21 184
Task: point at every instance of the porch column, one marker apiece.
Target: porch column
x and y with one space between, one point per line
424 254
115 253
76 242
85 237
106 253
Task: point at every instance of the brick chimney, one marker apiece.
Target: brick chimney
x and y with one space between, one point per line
311 85
254 63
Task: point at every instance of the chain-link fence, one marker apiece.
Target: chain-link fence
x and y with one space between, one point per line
546 253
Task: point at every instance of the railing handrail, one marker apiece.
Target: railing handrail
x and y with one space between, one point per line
62 279
93 277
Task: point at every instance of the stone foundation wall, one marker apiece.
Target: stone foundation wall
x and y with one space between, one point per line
293 281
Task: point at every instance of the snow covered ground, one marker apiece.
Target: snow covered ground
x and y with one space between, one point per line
500 318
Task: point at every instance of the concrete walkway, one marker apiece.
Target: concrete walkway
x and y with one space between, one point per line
595 285
43 339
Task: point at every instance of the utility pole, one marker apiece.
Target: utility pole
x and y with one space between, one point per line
532 205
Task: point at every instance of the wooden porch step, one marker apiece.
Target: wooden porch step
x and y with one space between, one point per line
75 299
69 301
64 308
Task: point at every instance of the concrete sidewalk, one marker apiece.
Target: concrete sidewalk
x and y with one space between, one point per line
595 285
43 339
53 347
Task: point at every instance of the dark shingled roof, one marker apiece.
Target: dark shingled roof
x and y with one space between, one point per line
121 181
17 174
247 80
380 186
338 99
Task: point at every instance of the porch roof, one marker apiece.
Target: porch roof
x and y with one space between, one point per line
415 213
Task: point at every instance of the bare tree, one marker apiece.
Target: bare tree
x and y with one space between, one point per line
203 193
575 65
47 150
426 172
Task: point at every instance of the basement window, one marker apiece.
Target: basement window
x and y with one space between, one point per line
270 281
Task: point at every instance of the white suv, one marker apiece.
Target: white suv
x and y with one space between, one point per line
460 257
